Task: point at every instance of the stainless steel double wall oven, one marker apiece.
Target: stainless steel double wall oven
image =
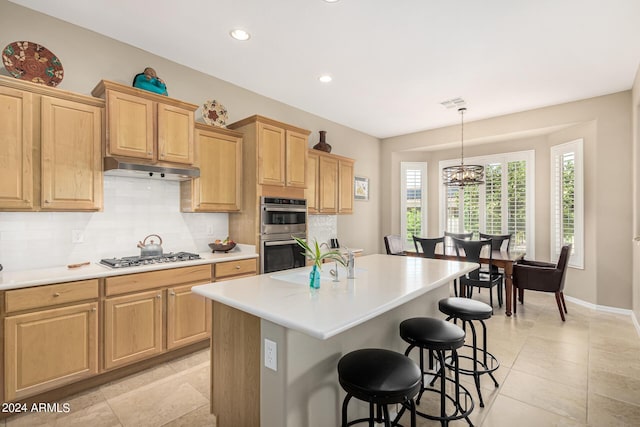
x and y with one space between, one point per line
279 220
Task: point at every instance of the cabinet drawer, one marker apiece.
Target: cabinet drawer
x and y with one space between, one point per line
48 295
242 267
157 279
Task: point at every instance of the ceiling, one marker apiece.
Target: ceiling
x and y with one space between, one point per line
392 61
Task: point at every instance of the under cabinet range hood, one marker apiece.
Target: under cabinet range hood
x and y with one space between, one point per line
119 166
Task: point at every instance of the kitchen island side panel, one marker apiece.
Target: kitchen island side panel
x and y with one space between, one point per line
305 391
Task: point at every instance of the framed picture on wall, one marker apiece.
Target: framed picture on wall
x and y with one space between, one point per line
361 188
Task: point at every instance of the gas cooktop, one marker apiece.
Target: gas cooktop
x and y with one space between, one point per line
134 261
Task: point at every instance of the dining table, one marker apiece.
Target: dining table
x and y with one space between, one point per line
499 258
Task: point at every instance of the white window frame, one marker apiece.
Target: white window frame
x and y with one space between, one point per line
504 158
404 166
576 258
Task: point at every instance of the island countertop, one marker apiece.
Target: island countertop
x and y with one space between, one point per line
382 283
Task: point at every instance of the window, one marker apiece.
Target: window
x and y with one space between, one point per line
567 201
414 201
503 204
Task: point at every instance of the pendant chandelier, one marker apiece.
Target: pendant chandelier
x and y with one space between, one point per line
461 175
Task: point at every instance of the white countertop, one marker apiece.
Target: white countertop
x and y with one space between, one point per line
382 283
45 276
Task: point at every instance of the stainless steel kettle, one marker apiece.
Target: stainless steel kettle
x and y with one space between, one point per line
151 248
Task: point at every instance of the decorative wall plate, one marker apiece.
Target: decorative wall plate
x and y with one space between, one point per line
32 62
214 113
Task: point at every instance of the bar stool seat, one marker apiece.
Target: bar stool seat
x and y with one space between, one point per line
380 377
439 336
470 311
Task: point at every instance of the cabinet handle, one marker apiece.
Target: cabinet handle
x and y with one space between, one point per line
237 267
161 154
173 294
56 294
149 153
93 309
159 296
46 201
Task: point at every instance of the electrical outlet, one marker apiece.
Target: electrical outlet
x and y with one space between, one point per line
77 236
270 354
210 230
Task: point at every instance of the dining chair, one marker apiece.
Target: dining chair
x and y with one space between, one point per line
497 241
470 251
463 236
428 246
543 277
394 245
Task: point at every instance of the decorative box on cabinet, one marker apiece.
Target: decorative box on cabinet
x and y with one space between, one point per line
219 157
145 125
50 337
51 150
330 183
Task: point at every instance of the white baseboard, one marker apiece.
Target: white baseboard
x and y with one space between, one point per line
607 309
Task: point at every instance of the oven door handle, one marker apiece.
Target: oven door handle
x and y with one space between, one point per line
270 209
280 242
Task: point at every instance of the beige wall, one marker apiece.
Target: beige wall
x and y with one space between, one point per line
88 57
636 194
604 123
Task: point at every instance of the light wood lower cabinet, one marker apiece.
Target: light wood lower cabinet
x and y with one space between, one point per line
188 317
136 325
132 328
50 348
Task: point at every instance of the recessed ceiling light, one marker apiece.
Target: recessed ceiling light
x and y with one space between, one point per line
325 78
239 34
332 1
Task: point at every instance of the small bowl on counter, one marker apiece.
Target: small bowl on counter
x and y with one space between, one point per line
220 247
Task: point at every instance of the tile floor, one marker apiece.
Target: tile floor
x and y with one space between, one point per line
582 372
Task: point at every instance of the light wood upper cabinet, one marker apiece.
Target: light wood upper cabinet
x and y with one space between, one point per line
271 155
145 125
16 149
71 155
296 154
280 151
328 188
311 193
49 348
50 148
330 183
130 125
219 157
345 186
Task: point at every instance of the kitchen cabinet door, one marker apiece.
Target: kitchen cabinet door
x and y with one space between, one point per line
328 188
133 328
271 155
49 348
311 193
188 317
71 141
219 157
296 146
345 186
175 134
16 149
130 126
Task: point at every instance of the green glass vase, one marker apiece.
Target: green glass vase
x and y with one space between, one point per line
314 278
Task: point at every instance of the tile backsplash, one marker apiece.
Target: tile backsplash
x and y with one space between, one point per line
322 227
133 209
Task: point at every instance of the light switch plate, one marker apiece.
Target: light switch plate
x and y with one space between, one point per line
270 354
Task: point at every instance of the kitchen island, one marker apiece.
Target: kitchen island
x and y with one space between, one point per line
307 331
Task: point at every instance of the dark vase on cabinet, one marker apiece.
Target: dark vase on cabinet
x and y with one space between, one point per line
322 144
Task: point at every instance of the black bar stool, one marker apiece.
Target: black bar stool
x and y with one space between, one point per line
468 311
439 337
380 377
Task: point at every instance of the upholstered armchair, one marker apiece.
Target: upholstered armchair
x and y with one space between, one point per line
543 277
